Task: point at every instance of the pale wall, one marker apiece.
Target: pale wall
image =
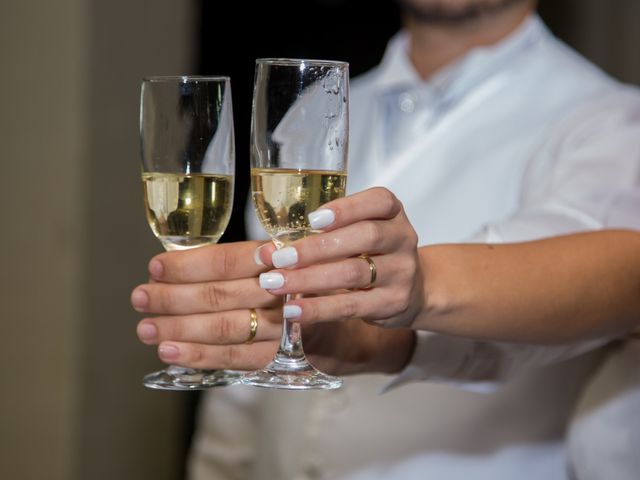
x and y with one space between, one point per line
74 239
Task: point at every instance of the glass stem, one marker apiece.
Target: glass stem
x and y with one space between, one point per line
290 352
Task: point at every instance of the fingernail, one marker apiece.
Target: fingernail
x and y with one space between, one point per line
285 257
147 331
321 218
139 299
168 352
291 311
271 280
156 269
256 255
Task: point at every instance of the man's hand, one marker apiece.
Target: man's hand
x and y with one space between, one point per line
199 304
202 300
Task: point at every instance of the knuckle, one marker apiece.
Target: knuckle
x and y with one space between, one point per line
410 235
225 262
414 269
407 266
412 238
213 296
388 202
398 303
223 330
373 233
229 357
349 308
402 303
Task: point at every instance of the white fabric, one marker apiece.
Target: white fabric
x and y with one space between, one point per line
604 438
521 140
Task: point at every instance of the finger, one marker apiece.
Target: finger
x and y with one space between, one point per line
374 203
371 237
360 217
224 328
346 274
227 261
366 304
232 357
262 254
186 299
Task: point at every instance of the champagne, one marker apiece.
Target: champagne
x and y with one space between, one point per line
284 197
187 210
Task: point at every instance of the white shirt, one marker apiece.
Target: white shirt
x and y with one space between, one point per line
604 437
515 141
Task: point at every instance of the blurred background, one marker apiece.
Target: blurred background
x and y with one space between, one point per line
74 238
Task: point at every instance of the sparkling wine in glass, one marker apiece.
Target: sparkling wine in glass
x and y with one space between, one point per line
188 159
299 142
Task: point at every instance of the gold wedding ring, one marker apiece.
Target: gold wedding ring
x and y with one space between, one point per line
253 325
372 269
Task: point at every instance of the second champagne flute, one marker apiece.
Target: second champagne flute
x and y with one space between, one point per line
188 159
299 143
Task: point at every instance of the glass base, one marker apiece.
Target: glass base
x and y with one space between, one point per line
180 379
296 375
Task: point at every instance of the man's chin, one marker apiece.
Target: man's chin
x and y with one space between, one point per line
442 13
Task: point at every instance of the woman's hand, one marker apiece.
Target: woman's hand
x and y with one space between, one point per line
370 223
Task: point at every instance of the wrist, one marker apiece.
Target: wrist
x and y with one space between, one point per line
444 292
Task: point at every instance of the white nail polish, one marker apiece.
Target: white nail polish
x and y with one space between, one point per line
271 280
291 311
285 257
321 218
256 256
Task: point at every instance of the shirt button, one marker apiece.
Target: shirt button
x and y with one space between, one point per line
407 102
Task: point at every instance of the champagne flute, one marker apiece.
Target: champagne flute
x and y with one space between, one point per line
299 141
188 158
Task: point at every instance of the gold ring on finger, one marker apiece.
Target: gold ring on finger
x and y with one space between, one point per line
253 326
372 269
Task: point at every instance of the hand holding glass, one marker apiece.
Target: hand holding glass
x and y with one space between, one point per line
299 138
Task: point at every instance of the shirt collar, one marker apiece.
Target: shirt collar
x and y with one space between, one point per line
396 72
